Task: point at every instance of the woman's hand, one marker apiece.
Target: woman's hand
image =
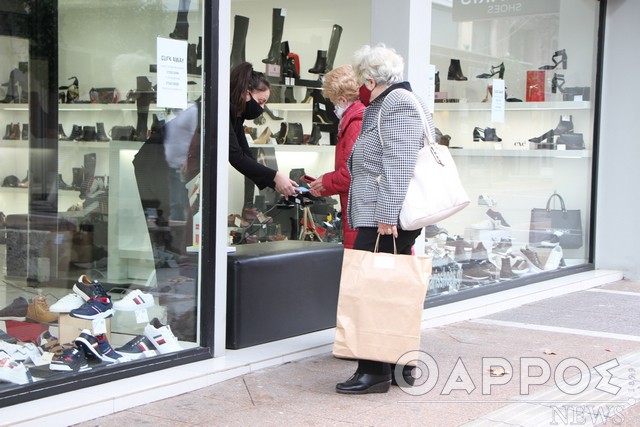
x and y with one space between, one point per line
284 185
387 229
316 187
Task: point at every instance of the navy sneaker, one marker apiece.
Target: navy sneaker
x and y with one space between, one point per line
71 360
138 348
88 289
17 310
98 346
7 338
95 308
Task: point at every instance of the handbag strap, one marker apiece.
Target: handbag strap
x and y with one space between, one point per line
562 206
425 124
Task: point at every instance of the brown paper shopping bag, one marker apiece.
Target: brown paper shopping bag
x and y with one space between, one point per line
380 305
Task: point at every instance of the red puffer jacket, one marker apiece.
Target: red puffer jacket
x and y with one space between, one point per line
337 182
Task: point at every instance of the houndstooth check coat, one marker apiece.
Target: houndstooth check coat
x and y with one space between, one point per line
380 174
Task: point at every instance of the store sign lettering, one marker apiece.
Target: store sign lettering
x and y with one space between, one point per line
470 10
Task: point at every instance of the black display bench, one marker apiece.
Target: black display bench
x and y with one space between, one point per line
278 290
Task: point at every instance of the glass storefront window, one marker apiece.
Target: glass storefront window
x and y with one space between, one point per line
514 100
100 166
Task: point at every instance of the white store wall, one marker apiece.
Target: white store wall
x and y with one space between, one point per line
618 175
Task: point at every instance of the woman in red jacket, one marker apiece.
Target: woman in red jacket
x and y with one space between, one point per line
341 88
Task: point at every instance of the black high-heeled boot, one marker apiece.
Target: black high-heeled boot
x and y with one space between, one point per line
181 30
561 56
455 71
557 83
321 63
144 96
544 137
314 137
498 69
437 82
277 27
77 178
192 60
239 41
334 41
564 126
25 131
89 171
289 97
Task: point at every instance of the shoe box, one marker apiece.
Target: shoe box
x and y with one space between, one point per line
70 327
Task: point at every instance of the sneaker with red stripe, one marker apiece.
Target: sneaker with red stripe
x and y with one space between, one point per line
161 337
134 300
95 308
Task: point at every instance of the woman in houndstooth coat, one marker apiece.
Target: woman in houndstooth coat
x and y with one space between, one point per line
381 165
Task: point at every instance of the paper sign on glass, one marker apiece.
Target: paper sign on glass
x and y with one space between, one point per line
172 73
497 101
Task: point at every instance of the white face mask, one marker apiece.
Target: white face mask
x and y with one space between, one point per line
339 111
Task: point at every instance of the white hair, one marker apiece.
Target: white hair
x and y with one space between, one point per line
383 64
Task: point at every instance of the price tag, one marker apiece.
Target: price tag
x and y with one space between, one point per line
385 262
99 326
142 316
45 359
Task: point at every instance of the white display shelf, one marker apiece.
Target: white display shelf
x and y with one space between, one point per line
559 154
115 145
300 106
299 148
83 107
514 106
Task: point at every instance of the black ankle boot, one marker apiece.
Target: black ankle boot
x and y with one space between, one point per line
25 131
88 133
491 135
76 133
314 138
239 41
455 71
61 135
7 133
289 97
89 171
101 135
437 84
365 383
334 41
321 63
277 27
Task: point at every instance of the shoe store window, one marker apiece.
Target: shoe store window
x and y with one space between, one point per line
514 101
100 167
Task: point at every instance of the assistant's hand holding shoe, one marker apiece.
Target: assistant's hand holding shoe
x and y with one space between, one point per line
284 185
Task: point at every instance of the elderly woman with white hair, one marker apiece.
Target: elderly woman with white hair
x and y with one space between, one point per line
381 165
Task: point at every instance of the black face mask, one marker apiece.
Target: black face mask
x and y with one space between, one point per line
252 109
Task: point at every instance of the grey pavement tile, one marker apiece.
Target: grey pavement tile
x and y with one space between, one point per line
593 311
267 417
132 419
622 285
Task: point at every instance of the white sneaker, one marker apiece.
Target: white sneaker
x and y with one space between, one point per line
67 303
161 337
14 372
553 257
25 353
134 300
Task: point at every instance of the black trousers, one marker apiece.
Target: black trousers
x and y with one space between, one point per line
366 241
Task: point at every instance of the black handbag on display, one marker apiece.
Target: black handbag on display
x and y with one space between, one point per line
290 133
556 225
123 133
572 141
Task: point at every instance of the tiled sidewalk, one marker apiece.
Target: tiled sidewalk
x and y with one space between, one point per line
582 329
